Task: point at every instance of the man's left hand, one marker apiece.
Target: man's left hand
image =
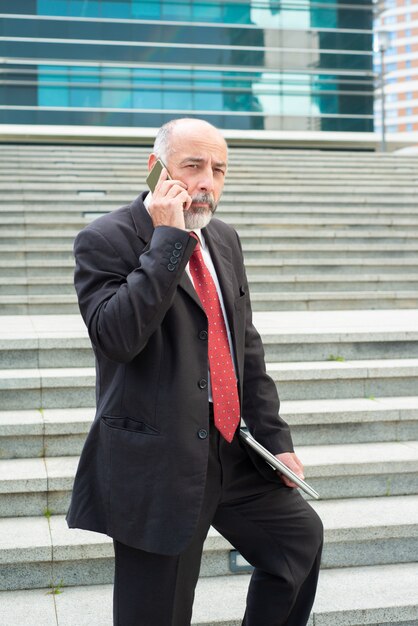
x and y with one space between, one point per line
292 462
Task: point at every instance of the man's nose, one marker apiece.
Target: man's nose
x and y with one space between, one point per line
206 181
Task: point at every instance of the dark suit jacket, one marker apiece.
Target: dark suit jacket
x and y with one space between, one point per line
142 471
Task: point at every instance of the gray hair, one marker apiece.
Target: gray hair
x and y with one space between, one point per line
162 141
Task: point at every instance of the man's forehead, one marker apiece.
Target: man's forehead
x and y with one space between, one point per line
197 138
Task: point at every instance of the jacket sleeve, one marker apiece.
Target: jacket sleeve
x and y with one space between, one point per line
122 306
260 400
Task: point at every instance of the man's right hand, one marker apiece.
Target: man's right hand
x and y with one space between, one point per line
169 200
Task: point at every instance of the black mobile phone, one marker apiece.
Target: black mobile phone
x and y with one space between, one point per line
155 173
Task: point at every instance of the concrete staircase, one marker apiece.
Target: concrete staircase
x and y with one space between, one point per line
339 230
336 233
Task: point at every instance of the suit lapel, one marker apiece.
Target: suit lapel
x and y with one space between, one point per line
142 219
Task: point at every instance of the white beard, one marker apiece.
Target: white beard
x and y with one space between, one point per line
197 220
199 217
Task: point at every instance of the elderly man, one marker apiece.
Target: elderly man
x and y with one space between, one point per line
179 363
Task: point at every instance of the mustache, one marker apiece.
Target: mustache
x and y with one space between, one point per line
204 198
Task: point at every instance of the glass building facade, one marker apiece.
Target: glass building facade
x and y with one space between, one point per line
241 64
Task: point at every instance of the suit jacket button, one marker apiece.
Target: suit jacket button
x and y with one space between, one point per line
178 245
171 267
203 383
202 433
176 253
203 335
174 260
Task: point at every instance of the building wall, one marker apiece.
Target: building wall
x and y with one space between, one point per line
272 65
399 18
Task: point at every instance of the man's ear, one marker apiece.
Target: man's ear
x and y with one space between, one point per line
151 161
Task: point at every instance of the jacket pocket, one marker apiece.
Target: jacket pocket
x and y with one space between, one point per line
131 424
240 300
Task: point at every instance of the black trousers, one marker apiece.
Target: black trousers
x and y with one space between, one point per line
272 526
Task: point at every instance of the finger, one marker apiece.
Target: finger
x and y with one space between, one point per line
168 184
300 466
174 191
287 481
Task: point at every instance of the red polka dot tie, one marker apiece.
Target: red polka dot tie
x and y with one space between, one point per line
226 408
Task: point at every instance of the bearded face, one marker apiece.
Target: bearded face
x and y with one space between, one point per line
200 211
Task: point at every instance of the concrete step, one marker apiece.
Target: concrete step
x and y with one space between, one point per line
39 305
266 283
32 547
51 209
258 267
61 432
324 281
29 173
240 219
344 379
75 195
299 251
220 601
29 486
22 285
325 236
346 597
35 252
310 252
262 301
250 183
73 387
62 340
358 532
317 301
251 234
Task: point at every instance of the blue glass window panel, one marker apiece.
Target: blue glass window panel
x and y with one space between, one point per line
178 100
85 97
116 9
236 13
52 7
176 10
409 127
146 10
208 101
83 8
52 73
146 76
142 99
202 12
116 98
80 74
53 96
